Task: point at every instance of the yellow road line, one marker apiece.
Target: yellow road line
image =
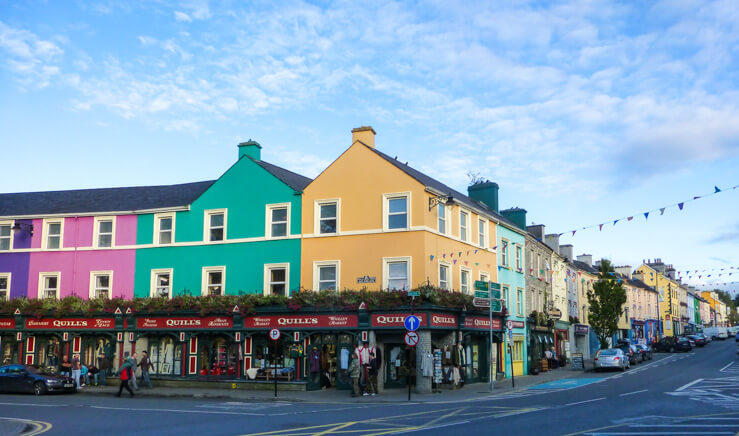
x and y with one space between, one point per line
332 430
38 426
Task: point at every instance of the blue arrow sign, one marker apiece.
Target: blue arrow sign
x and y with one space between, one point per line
412 323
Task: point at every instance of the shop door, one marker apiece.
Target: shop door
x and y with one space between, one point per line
396 366
9 351
476 360
517 355
335 352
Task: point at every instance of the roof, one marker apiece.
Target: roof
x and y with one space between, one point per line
291 179
436 185
101 200
585 267
641 284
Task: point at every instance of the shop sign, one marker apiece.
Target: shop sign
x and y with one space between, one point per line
443 320
179 322
367 279
517 324
581 329
481 323
301 321
70 323
554 314
7 323
395 319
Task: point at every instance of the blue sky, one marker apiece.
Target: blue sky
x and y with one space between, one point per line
582 111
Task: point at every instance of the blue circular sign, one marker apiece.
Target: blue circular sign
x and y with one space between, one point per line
412 323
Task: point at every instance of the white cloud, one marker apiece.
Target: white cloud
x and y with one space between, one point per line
181 16
34 61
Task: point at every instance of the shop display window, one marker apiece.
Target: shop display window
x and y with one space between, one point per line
10 351
165 355
48 354
217 356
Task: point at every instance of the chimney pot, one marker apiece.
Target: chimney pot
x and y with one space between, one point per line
365 135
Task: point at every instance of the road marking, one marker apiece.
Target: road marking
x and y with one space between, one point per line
635 392
37 427
600 430
215 412
688 385
586 401
730 363
29 404
436 426
662 432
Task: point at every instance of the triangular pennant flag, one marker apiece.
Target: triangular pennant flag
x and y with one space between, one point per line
716 190
614 223
661 210
680 205
495 248
432 257
460 254
695 198
235 309
465 262
646 215
573 232
468 252
630 218
117 311
443 255
475 251
455 261
477 263
600 227
451 254
488 265
561 234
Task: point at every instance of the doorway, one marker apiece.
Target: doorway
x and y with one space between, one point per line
397 359
333 352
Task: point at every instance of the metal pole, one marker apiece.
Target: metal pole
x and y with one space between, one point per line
513 380
490 311
274 372
410 352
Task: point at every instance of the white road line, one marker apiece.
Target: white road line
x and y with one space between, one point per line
214 412
682 425
688 385
663 432
31 404
635 392
730 363
586 401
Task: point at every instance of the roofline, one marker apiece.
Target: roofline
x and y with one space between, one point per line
101 212
465 205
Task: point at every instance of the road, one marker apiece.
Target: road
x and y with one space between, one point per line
685 393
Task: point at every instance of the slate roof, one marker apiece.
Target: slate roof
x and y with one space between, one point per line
436 185
585 267
291 179
101 200
641 284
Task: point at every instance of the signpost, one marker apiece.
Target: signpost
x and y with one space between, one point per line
411 323
414 293
487 294
411 339
274 334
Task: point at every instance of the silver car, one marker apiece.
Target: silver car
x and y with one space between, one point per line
611 358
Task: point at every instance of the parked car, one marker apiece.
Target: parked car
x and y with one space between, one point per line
32 379
737 337
691 340
671 344
630 352
716 332
699 341
645 351
611 358
706 339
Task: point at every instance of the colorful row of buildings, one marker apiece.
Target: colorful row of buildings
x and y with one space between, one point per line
368 221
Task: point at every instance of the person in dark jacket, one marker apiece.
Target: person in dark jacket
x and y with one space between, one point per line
126 373
145 366
372 377
354 375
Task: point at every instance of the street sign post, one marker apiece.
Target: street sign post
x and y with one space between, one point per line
411 339
481 302
509 324
482 294
414 293
495 306
412 323
481 285
274 334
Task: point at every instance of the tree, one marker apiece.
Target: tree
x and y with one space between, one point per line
606 300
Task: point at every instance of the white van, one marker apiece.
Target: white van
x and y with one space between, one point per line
716 332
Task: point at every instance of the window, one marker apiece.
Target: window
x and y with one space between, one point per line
213 281
101 284
328 218
104 232
442 219
504 252
49 285
215 225
164 229
504 295
4 286
161 283
326 275
519 263
276 279
6 236
464 280
463 217
519 302
445 276
481 224
485 277
396 211
53 234
396 273
278 220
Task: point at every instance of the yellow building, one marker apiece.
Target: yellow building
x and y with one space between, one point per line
669 300
718 308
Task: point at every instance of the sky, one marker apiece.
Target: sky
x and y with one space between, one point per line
582 111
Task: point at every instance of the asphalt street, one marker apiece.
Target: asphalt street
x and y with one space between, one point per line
684 393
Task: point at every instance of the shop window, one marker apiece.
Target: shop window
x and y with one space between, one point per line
4 286
464 280
104 232
444 276
48 352
276 279
53 238
166 355
215 225
6 237
442 219
101 284
396 273
161 283
49 285
278 220
328 217
164 229
217 356
463 223
396 211
214 281
9 350
326 275
270 355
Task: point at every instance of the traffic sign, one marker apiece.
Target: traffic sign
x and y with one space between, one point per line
495 293
481 302
274 334
496 305
481 285
412 323
495 286
510 336
411 339
414 293
509 325
482 294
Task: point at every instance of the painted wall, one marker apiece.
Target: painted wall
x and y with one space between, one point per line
514 279
16 263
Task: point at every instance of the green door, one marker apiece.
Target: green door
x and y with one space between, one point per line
396 366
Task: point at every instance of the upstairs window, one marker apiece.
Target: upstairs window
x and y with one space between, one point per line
100 284
278 216
442 219
215 225
104 229
5 237
49 285
328 218
164 229
214 280
464 281
4 286
519 260
396 215
161 283
463 218
276 279
481 224
444 276
504 252
53 235
519 302
396 273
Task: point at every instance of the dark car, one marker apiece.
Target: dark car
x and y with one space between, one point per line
671 344
698 340
32 379
706 340
629 351
644 351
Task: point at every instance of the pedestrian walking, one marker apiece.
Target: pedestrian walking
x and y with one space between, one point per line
145 366
76 370
104 365
354 375
133 382
372 375
125 372
84 380
66 366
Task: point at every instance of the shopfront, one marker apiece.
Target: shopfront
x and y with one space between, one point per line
637 334
10 343
477 342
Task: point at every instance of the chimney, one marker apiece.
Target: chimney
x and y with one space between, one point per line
567 251
552 240
250 148
624 270
586 258
537 231
486 193
516 215
365 135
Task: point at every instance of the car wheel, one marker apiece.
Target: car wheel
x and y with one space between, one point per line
39 388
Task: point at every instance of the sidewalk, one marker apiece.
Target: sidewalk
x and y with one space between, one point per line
467 393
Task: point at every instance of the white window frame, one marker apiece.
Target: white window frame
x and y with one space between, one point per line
482 237
204 279
484 276
267 290
442 222
206 225
317 265
96 231
153 281
10 224
317 216
45 238
505 246
93 276
505 295
464 224
449 281
41 279
268 220
519 301
385 270
157 227
519 257
470 284
8 277
386 210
